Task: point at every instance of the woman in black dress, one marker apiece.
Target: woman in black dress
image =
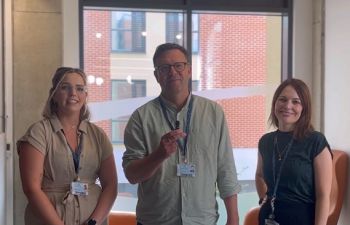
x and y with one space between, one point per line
294 170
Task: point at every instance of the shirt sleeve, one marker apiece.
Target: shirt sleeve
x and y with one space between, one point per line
134 140
106 145
227 175
320 142
36 136
264 143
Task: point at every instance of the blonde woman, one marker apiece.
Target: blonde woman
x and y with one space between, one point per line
62 156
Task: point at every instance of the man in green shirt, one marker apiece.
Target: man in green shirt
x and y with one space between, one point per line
178 150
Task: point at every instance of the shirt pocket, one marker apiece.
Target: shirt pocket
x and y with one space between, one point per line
58 165
203 152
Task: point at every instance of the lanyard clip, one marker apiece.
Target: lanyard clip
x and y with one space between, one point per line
177 125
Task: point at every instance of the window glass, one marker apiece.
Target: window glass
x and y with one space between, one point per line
124 89
195 33
237 63
128 31
175 30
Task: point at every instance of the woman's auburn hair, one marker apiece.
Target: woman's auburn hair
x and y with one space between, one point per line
303 126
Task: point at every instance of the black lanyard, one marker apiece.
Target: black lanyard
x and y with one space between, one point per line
276 180
187 125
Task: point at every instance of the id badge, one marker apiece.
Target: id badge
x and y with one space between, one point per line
270 222
186 170
79 188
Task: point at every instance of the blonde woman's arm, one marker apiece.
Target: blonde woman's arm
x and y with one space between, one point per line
31 163
109 182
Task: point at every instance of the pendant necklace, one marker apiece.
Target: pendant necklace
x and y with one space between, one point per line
279 152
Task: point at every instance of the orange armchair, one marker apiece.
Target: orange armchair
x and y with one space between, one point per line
121 218
340 176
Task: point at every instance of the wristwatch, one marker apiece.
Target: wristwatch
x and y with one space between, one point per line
91 222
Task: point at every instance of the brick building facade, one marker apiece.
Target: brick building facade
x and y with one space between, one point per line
232 52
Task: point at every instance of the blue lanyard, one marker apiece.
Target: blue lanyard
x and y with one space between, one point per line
187 125
76 154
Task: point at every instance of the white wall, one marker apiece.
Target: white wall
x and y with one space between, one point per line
2 179
70 34
337 81
2 135
302 40
7 69
1 67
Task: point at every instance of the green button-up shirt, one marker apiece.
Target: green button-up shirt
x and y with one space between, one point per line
166 198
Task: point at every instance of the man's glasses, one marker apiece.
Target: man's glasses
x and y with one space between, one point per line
80 89
178 66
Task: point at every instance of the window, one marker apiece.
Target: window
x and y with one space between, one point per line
128 31
122 89
175 31
239 70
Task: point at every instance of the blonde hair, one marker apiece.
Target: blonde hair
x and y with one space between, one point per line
50 108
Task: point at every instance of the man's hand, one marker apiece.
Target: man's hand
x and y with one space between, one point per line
168 143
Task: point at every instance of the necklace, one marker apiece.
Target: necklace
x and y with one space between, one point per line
71 130
279 152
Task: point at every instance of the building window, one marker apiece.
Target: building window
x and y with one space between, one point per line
122 89
175 30
128 31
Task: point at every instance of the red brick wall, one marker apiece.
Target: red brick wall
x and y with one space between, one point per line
245 118
96 57
233 53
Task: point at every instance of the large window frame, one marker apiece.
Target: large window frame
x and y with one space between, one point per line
283 7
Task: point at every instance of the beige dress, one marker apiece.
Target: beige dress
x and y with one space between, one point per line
48 138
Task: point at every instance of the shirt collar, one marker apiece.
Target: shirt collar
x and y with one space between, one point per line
169 105
57 126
